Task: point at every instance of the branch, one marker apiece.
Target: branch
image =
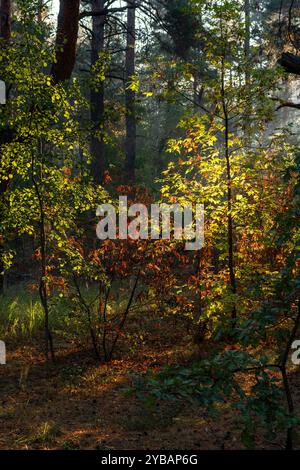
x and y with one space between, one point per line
105 11
290 62
286 104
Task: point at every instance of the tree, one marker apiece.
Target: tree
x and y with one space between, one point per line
97 92
48 158
5 15
178 27
130 142
5 133
66 40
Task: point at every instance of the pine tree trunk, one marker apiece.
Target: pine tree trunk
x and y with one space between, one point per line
130 142
5 25
66 40
247 43
97 96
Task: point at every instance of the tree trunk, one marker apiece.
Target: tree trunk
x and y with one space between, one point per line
130 142
5 25
247 43
197 93
230 230
66 40
41 11
97 95
247 67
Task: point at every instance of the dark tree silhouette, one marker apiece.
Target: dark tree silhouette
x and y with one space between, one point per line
66 40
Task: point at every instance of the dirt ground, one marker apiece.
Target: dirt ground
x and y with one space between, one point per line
79 403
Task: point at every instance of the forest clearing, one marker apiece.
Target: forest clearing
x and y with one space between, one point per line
149 225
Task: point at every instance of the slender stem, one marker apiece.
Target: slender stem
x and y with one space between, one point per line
43 280
89 316
106 355
229 191
121 326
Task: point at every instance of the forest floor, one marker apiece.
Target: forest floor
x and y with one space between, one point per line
80 403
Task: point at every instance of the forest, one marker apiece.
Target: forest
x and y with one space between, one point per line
149 232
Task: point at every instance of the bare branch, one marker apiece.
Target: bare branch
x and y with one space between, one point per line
105 11
286 104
